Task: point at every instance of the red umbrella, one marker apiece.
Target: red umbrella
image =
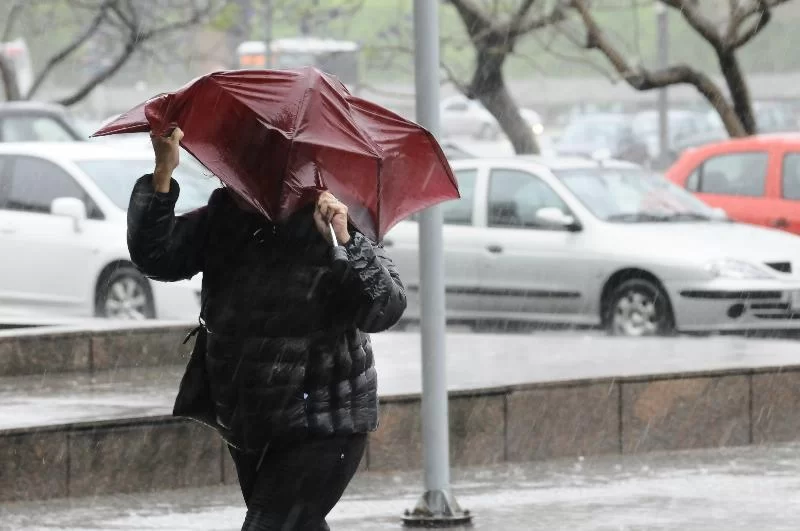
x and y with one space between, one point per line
278 137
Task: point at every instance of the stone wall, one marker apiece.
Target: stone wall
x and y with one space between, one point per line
34 351
517 423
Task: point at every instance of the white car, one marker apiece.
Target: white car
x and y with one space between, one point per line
611 244
63 234
461 116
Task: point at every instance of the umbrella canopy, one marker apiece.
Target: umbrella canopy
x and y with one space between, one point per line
278 137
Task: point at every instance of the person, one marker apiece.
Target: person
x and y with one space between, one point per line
290 364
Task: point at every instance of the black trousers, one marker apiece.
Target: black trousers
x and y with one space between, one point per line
298 482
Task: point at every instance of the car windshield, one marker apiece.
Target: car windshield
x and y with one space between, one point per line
601 132
117 177
633 195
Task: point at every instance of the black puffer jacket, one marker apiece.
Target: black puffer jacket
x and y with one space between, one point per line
287 349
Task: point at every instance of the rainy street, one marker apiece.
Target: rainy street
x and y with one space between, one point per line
519 265
723 490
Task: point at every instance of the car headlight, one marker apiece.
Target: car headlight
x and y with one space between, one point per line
736 269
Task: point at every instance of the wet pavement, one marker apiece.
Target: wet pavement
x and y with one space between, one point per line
475 361
754 488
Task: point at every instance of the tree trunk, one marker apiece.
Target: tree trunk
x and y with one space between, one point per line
489 87
9 79
739 91
499 102
730 119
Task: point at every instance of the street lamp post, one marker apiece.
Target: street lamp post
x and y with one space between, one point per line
662 19
437 507
268 36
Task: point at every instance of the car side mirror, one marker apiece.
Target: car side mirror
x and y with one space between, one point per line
552 217
70 207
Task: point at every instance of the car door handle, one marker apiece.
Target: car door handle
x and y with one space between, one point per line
494 249
388 243
780 223
7 229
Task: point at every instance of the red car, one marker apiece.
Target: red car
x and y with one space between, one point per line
755 179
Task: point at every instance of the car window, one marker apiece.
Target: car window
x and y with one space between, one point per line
693 180
632 195
33 129
32 184
790 176
116 178
516 196
460 211
740 174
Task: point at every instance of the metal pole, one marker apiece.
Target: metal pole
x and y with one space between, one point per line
437 507
662 18
268 37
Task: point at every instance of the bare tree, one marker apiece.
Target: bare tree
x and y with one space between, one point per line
8 75
494 33
745 20
128 24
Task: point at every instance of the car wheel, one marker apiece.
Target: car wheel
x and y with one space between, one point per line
125 294
638 308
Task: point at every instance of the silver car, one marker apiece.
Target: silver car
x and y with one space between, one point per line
611 244
463 117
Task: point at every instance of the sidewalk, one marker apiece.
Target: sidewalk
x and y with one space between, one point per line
756 488
475 361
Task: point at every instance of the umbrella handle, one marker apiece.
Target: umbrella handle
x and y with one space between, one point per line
334 239
339 261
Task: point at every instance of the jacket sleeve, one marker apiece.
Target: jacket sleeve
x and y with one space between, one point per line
373 276
164 246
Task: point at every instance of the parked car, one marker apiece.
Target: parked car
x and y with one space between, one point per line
461 116
770 118
31 121
681 124
463 148
774 118
609 133
693 141
63 234
570 241
754 179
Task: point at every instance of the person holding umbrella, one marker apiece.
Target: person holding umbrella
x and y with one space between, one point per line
293 275
290 365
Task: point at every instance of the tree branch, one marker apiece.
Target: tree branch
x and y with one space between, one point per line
13 13
520 26
452 78
68 50
549 48
691 13
9 79
762 9
110 70
475 21
642 79
135 39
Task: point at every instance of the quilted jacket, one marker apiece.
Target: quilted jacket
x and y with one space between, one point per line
287 348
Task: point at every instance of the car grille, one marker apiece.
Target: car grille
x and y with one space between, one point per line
777 311
783 267
768 305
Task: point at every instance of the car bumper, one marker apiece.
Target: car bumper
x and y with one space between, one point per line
733 305
177 301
